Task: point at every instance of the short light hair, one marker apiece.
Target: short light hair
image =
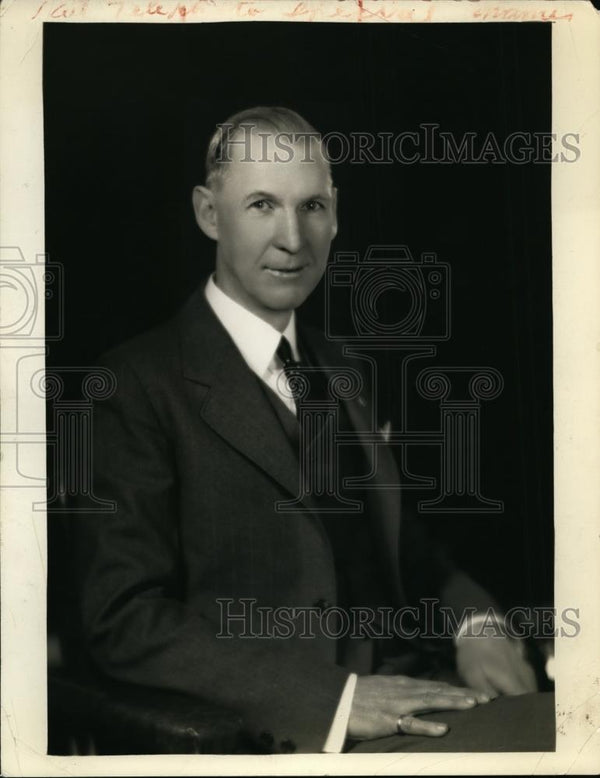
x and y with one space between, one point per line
272 119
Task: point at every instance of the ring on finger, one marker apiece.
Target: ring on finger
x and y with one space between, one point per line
400 721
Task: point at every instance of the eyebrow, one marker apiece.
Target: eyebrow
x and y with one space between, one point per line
261 195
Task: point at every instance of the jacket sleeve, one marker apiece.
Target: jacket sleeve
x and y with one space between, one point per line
139 625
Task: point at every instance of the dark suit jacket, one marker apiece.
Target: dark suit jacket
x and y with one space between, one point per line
192 452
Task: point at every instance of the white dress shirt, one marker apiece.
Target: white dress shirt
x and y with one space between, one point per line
256 339
257 342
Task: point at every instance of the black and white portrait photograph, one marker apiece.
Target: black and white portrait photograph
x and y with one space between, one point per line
300 421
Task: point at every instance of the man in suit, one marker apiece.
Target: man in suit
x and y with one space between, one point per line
199 447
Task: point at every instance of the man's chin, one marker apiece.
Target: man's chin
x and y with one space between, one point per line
282 300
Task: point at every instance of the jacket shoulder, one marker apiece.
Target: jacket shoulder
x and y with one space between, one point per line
155 348
160 346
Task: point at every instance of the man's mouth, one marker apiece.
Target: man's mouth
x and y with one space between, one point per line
289 272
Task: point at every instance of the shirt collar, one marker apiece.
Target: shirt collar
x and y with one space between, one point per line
256 339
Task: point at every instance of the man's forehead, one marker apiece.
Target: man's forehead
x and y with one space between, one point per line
265 141
259 151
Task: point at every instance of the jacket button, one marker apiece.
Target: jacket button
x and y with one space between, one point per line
288 746
322 605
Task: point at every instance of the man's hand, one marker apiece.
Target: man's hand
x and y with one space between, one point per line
380 700
494 665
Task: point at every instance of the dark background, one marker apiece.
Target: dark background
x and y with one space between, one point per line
128 110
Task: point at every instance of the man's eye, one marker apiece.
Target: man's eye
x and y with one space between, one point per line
313 205
260 205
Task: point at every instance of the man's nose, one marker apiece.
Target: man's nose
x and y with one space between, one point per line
288 236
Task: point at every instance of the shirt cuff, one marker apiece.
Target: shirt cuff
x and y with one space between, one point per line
478 624
337 733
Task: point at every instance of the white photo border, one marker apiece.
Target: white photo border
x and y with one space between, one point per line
576 359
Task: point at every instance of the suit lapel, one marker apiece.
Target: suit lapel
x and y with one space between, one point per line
236 406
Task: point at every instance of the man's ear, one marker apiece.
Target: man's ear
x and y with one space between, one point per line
203 200
334 222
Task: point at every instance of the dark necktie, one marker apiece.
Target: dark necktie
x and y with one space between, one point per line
284 352
290 366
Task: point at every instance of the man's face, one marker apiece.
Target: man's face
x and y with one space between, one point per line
275 219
